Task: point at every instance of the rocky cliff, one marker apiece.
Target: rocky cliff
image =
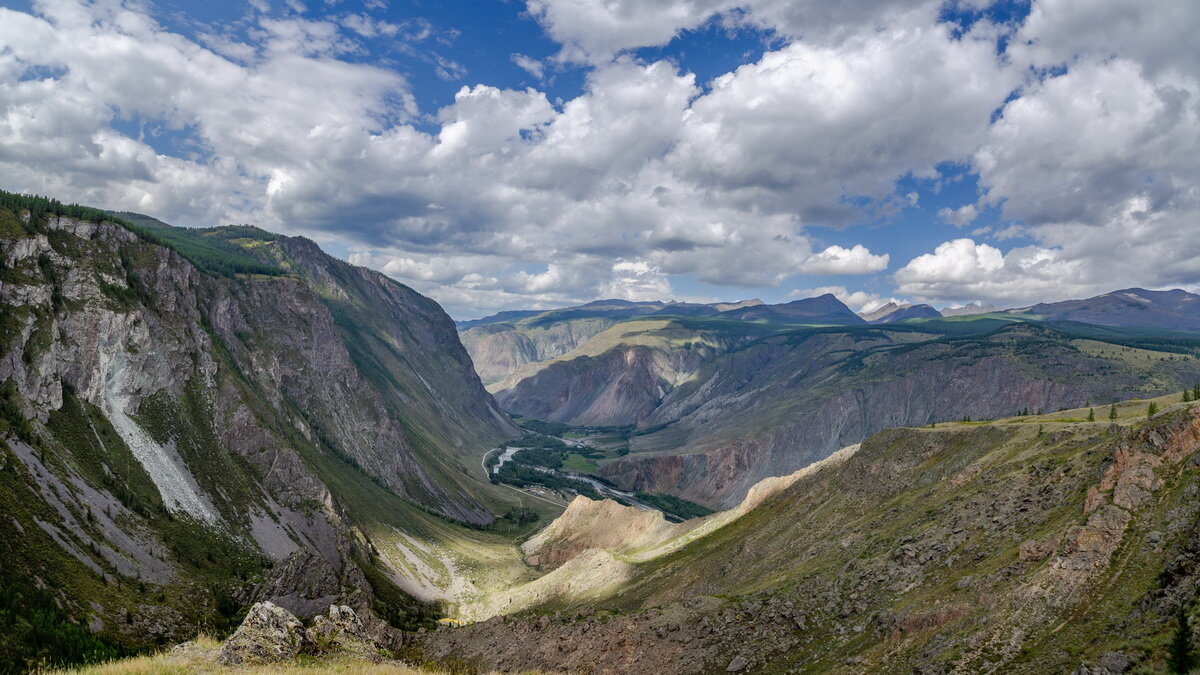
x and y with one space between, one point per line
178 439
713 422
501 345
499 350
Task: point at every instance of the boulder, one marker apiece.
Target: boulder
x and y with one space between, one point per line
268 634
341 632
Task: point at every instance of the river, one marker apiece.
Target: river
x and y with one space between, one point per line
602 488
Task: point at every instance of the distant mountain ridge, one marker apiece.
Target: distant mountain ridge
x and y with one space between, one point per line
822 309
900 312
1174 309
501 344
715 410
968 310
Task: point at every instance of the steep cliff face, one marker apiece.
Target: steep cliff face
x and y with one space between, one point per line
720 405
620 377
785 402
499 350
171 436
503 344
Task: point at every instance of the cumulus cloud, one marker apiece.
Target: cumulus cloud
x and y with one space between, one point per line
1098 160
507 198
963 270
809 127
839 260
596 30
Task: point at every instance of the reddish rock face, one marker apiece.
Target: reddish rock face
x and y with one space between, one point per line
771 409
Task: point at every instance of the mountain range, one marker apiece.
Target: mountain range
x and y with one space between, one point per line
227 431
715 404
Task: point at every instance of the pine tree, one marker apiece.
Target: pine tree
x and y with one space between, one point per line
1091 415
1181 659
1112 411
1196 392
1187 396
1152 410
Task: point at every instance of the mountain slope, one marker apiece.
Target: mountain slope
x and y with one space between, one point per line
894 312
179 439
1175 309
619 377
785 401
823 309
1026 545
771 401
502 344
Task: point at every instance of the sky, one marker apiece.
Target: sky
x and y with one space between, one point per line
515 154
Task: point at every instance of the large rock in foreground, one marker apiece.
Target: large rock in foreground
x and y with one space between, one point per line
270 634
340 632
267 635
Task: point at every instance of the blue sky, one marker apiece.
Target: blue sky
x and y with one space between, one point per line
536 153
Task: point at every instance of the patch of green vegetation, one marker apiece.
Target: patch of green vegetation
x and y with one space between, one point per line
213 250
10 225
536 441
186 421
580 463
393 605
560 429
39 207
519 475
36 634
539 457
12 420
95 449
673 505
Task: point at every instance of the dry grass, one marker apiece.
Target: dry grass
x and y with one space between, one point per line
200 657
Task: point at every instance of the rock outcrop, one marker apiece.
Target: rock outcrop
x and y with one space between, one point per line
340 632
269 634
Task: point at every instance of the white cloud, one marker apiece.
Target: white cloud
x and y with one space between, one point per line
596 30
838 260
637 281
963 270
506 198
483 118
809 128
960 217
529 65
1100 163
1158 35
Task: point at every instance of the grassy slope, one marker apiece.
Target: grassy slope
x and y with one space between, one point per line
836 545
